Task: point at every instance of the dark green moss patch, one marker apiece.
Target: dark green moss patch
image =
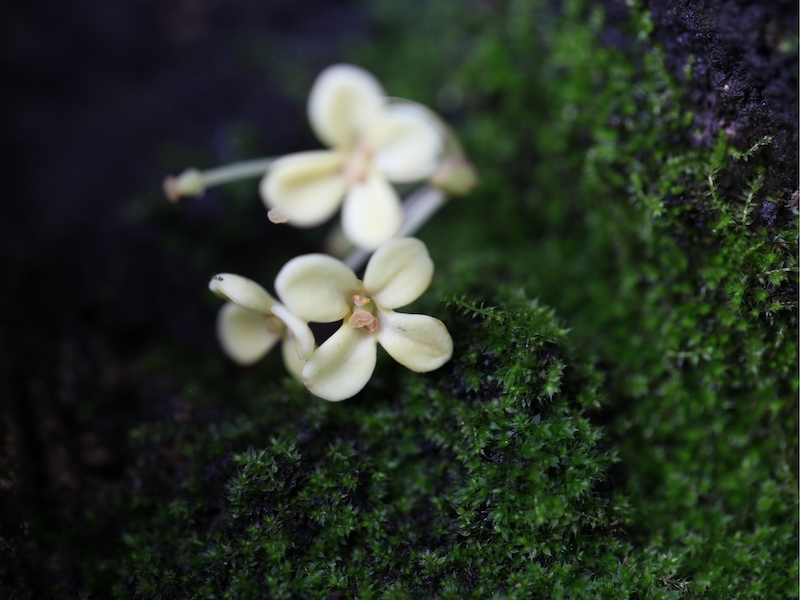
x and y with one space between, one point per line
416 494
657 212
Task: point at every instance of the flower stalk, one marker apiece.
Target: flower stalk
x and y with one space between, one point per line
193 182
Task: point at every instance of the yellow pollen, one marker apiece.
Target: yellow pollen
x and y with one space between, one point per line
359 300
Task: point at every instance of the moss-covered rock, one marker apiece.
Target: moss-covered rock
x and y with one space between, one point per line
642 443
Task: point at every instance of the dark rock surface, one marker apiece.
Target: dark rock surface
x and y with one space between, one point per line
743 79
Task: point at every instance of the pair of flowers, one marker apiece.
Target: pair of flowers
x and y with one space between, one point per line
320 288
373 142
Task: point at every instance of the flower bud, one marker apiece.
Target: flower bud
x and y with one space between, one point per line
455 176
188 183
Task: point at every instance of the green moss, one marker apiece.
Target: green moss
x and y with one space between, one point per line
641 444
486 477
596 195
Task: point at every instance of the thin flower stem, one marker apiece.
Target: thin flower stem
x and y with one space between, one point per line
193 182
356 259
236 171
419 207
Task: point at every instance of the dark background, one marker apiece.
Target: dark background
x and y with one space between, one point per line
99 101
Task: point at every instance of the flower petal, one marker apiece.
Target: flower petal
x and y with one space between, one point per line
418 342
371 213
343 99
298 333
306 188
244 334
317 287
398 273
292 362
342 365
242 291
407 142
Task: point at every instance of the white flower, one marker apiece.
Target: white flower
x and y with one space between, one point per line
252 322
372 143
319 288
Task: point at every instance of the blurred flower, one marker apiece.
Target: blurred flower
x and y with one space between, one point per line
373 142
252 322
454 175
319 288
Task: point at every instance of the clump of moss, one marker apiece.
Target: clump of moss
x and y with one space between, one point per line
486 477
671 250
709 431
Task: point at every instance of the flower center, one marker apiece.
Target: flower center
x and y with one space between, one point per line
362 317
274 324
357 165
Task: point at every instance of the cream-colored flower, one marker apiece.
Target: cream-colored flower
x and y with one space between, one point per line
320 288
252 322
372 142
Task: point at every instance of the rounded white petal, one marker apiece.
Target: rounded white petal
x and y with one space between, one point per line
298 333
407 142
317 287
398 273
342 365
244 334
306 188
242 291
343 99
418 342
371 213
292 362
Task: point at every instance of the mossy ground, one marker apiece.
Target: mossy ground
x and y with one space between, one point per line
637 439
